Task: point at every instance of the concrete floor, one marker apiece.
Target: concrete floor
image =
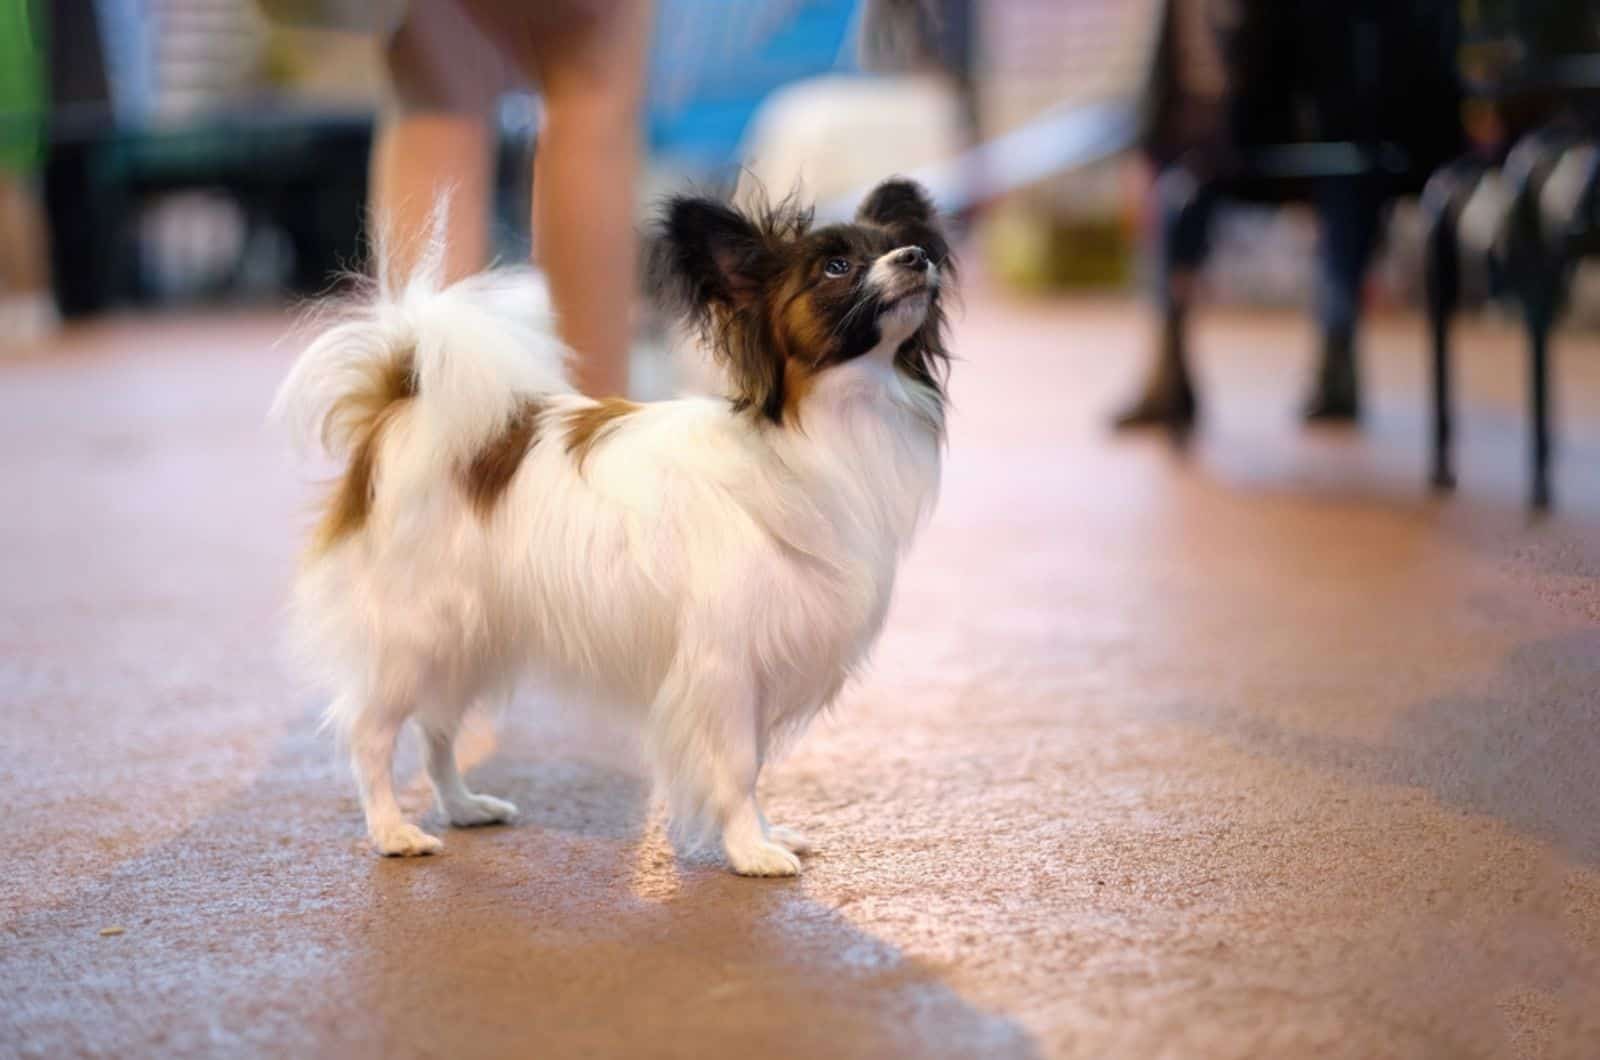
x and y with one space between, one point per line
1257 751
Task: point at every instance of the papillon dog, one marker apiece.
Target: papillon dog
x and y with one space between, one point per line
718 567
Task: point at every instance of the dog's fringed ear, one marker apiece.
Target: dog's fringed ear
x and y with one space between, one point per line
895 201
714 265
903 206
709 255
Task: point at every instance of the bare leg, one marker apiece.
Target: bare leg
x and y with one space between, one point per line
591 71
588 58
444 77
462 806
372 740
417 158
27 307
24 258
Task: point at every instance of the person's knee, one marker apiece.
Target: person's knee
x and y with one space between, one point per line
596 60
421 79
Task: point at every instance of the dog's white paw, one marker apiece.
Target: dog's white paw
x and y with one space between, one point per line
763 858
789 839
405 840
479 809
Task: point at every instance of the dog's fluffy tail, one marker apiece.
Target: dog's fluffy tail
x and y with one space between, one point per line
465 357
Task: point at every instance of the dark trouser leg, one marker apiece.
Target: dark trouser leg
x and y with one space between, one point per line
1351 215
1180 245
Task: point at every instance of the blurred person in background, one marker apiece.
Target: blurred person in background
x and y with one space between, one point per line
448 61
1235 76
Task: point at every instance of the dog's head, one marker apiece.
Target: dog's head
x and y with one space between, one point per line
781 301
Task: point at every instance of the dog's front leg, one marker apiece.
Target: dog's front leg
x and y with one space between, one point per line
710 742
750 852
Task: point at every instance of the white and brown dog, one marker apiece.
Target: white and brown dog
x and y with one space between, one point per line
720 565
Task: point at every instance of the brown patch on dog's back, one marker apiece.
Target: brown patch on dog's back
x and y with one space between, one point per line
586 425
492 469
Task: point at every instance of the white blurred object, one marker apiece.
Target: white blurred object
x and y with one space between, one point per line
1483 219
834 135
1062 85
1065 143
1562 194
897 35
191 243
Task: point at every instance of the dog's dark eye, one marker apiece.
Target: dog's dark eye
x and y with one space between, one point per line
837 267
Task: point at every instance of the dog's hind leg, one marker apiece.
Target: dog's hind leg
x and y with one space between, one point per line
462 806
373 733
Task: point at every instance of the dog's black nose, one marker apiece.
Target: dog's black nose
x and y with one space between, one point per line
911 257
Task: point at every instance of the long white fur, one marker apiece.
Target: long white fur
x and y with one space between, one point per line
719 576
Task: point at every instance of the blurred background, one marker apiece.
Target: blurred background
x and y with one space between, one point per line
166 152
1436 156
1432 155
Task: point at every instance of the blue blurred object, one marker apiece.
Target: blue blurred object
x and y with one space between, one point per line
716 60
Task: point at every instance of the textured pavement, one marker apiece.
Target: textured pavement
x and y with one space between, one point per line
1256 750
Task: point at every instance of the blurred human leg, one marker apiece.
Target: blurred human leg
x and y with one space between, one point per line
585 174
27 309
417 158
591 68
1350 213
1184 211
435 139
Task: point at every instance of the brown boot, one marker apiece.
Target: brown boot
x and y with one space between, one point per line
1167 399
1337 397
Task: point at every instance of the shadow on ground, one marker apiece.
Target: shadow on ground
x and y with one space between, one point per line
270 927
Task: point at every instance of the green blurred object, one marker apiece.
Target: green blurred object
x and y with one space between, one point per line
22 86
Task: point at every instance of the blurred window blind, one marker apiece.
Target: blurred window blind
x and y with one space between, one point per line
206 52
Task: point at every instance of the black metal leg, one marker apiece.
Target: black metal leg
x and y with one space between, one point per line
1442 282
1444 476
1538 268
1539 398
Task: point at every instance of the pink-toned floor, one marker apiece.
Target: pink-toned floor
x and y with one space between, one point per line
1257 751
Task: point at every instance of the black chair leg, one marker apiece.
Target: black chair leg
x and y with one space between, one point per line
1539 412
1442 281
1444 475
1538 270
